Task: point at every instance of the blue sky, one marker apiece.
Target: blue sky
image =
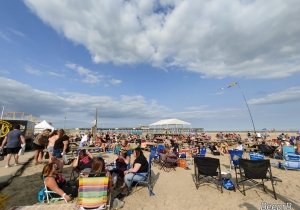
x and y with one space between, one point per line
142 61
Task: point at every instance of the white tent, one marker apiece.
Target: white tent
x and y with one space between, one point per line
170 123
42 126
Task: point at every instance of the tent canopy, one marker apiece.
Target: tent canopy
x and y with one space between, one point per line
42 126
168 122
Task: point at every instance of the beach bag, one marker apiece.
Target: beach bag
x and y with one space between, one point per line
227 184
41 195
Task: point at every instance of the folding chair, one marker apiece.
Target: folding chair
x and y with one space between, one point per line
288 149
266 150
154 155
50 196
209 170
202 152
93 193
256 156
160 148
250 170
147 179
235 156
291 161
167 162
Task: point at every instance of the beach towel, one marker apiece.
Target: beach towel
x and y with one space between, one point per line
93 192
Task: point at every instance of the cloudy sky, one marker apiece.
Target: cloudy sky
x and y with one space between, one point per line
142 61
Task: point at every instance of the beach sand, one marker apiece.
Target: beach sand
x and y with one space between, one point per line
173 190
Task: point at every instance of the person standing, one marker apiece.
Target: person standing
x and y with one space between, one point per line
39 144
61 144
51 141
14 139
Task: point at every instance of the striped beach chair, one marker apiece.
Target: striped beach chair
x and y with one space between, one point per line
93 193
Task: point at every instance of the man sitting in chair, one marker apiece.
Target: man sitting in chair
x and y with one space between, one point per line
140 166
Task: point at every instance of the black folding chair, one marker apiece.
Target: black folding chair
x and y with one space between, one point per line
208 170
251 170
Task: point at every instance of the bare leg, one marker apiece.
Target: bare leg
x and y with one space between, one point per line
8 159
41 155
16 157
36 156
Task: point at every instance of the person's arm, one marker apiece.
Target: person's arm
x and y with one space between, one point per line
22 139
75 162
135 169
4 142
52 185
66 143
89 154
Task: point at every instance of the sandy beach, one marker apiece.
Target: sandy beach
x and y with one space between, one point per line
173 190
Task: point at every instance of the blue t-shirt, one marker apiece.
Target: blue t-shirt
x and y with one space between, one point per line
14 139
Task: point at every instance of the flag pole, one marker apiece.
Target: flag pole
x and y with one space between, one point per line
247 106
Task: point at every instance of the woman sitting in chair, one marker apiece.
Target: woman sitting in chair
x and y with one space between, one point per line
83 160
140 165
50 172
98 168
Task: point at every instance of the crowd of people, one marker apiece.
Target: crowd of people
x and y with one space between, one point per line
85 164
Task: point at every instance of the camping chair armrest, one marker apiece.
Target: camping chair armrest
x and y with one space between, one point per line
139 174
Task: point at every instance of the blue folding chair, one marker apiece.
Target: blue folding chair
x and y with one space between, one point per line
288 149
235 156
256 156
291 161
202 152
160 148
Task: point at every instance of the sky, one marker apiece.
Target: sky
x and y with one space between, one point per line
138 62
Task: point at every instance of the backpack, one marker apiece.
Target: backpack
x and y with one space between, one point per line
227 184
41 195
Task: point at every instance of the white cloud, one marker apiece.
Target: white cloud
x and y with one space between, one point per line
16 32
286 96
87 75
115 81
80 108
255 39
32 70
55 74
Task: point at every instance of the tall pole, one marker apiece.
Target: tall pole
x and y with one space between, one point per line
247 107
65 121
2 112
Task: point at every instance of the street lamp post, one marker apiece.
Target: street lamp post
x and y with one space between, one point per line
2 112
